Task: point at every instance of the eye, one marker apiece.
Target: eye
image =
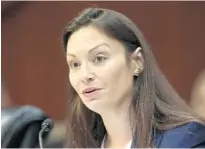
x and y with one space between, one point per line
74 64
99 59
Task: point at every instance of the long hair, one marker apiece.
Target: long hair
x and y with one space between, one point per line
155 104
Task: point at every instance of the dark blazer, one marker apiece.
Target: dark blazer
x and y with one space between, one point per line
189 135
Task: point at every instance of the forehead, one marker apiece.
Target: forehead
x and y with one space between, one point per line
89 37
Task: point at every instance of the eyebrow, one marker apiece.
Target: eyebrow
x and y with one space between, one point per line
92 49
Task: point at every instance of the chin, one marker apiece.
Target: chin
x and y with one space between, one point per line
95 105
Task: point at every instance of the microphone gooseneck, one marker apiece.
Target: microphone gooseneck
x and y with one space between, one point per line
46 126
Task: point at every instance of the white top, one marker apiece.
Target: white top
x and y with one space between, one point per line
128 146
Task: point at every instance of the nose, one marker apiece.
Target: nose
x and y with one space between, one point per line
87 79
87 75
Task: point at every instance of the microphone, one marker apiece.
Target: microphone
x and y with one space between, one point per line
46 126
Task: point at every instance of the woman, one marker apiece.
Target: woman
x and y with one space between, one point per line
121 98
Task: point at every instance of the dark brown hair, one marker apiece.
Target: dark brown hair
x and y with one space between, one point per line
155 103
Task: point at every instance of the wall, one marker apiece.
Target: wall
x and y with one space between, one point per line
34 68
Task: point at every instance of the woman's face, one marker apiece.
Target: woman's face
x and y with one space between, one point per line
99 71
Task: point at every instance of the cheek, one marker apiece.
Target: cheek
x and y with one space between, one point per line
116 73
73 81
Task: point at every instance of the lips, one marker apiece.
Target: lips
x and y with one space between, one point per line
91 92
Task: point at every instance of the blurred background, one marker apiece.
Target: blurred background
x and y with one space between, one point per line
34 69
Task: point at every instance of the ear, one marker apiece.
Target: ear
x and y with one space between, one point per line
138 61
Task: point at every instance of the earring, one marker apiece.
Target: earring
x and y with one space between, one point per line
137 71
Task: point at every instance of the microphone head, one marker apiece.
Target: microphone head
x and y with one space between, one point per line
48 123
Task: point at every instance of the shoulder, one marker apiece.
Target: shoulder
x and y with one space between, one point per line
185 136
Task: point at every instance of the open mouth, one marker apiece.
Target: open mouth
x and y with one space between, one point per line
91 92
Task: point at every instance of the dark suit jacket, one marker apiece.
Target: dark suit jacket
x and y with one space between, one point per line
186 136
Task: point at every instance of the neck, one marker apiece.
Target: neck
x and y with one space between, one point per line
118 126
